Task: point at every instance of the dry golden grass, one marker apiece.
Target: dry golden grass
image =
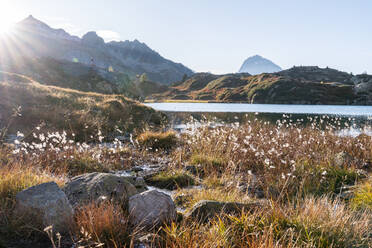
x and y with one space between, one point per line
294 165
103 224
13 179
312 223
287 158
215 194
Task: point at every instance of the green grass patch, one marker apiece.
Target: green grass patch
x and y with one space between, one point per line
363 196
171 180
87 164
320 180
206 160
158 140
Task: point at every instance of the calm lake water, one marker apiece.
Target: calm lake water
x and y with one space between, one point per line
264 108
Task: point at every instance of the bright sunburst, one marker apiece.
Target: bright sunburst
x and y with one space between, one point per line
7 15
5 27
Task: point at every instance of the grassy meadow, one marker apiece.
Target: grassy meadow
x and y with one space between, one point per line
315 185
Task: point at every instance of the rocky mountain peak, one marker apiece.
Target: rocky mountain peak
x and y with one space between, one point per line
257 64
36 27
31 21
91 38
132 45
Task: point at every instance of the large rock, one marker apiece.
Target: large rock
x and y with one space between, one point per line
137 182
205 210
151 208
45 204
93 186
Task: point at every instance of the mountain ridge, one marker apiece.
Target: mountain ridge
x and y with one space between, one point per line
298 85
34 38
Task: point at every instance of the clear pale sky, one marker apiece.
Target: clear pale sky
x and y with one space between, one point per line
218 35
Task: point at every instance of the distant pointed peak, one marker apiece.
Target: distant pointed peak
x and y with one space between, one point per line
30 18
256 57
32 21
257 64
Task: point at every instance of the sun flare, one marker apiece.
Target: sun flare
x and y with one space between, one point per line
5 27
7 18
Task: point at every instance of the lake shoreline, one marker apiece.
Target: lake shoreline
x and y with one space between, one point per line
344 110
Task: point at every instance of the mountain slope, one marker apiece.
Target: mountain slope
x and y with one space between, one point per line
35 39
77 112
298 85
72 75
256 65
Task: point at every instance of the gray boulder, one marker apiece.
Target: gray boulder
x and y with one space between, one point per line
137 182
45 204
205 210
94 186
151 208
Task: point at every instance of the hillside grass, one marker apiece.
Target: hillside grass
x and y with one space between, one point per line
81 113
286 87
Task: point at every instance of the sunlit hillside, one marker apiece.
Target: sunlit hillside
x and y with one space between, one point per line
65 109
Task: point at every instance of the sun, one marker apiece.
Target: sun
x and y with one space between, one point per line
5 27
7 17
